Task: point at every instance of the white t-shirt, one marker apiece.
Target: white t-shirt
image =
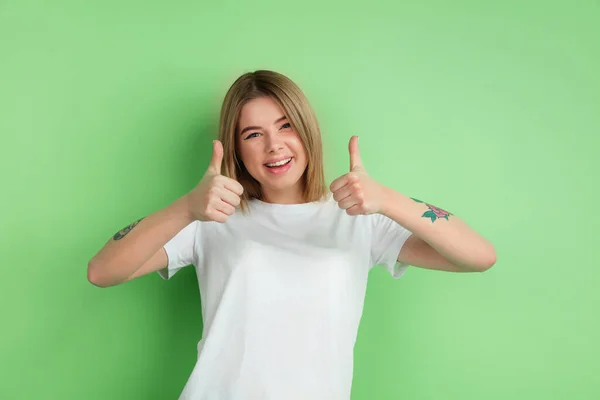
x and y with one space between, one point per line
282 293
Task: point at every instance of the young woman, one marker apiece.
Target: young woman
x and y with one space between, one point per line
282 259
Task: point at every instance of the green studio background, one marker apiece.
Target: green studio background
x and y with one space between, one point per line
490 111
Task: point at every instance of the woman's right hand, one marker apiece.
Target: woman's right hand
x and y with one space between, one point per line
216 196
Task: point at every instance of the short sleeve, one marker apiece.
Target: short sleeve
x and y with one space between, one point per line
181 250
387 239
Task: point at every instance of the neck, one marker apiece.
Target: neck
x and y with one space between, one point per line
288 196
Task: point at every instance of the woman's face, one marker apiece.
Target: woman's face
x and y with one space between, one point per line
271 150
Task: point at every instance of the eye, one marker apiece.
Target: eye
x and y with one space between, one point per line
251 135
286 125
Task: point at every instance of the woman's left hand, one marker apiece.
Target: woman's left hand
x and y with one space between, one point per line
356 192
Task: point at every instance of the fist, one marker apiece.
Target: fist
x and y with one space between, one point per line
216 196
356 192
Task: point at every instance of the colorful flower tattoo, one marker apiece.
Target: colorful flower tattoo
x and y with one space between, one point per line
433 212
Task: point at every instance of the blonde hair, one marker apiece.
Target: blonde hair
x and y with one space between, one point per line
293 102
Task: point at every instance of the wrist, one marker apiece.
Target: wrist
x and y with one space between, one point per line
387 199
182 208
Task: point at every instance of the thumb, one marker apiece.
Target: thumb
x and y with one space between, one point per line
355 161
217 157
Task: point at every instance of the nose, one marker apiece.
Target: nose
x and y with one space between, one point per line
273 143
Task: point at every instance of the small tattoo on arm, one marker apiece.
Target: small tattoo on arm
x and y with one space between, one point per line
433 212
123 232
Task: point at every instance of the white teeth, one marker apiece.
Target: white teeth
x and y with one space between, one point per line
279 163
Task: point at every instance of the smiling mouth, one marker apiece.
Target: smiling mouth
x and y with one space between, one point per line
279 163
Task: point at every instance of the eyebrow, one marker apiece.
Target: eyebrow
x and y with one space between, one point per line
249 128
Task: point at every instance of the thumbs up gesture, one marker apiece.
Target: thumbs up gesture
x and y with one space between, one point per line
356 192
216 196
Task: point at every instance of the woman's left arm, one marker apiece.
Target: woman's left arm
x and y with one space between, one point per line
436 231
439 240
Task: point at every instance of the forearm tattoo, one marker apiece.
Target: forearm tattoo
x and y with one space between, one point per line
123 232
433 212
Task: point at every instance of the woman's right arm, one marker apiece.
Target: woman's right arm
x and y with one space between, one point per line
131 253
138 249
